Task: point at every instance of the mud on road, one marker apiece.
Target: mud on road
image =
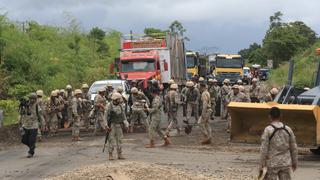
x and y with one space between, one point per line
59 158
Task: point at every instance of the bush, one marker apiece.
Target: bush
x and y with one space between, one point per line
10 111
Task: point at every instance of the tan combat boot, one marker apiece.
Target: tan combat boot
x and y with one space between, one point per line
120 156
111 157
166 141
206 141
151 145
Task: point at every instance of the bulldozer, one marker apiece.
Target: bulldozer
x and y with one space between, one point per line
300 110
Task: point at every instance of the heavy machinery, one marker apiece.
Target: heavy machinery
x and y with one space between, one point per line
300 110
229 66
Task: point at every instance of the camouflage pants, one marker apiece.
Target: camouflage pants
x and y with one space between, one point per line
76 126
224 109
136 115
154 128
99 122
53 122
115 138
213 107
204 123
69 117
193 109
284 173
86 119
173 121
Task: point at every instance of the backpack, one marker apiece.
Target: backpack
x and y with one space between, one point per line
277 129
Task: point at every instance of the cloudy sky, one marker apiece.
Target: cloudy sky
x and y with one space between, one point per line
215 25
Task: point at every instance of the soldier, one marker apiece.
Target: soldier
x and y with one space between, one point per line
172 103
63 108
68 102
271 95
254 91
205 114
86 105
139 101
213 95
76 114
52 112
218 90
201 80
114 118
239 82
155 113
184 100
147 91
109 91
99 108
225 90
278 152
243 90
192 99
41 104
30 117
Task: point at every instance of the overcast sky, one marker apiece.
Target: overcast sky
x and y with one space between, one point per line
219 25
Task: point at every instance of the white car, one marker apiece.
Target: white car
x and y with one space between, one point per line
103 83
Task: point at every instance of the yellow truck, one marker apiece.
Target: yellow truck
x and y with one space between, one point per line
229 66
196 64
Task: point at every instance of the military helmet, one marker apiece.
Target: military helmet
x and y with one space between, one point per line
274 91
210 80
215 81
254 80
174 86
54 93
241 88
109 84
68 87
116 96
39 93
226 81
32 96
77 91
201 79
189 84
134 90
235 86
239 81
84 86
120 89
102 89
61 91
171 81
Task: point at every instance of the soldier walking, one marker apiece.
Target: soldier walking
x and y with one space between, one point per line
225 90
52 112
278 152
69 98
76 114
205 114
214 96
192 99
114 119
172 103
41 104
86 105
99 108
30 119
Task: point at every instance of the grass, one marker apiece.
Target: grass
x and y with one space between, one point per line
10 111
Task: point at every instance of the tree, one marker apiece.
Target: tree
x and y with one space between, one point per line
245 53
97 34
305 31
177 28
275 20
154 32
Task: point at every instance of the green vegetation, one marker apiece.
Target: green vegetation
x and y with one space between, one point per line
10 108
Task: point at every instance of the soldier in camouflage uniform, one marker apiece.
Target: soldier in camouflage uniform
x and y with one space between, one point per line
278 150
192 100
225 90
205 114
100 103
271 95
86 105
76 114
139 101
243 90
30 119
172 102
63 108
184 100
155 113
52 112
41 104
254 91
239 82
109 91
68 104
114 118
213 95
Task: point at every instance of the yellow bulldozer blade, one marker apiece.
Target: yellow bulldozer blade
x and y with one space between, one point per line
250 119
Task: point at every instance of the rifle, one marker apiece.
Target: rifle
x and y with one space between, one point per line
106 138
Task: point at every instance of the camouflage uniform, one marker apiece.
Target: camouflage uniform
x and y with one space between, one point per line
138 108
184 99
115 115
155 113
52 114
193 96
76 116
99 105
69 98
172 103
225 90
214 91
254 92
42 105
86 108
279 153
205 115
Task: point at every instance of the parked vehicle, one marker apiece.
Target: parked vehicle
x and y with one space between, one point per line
264 74
229 66
246 75
93 90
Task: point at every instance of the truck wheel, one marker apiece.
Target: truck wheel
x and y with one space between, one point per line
315 151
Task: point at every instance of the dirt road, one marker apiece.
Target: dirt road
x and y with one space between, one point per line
221 159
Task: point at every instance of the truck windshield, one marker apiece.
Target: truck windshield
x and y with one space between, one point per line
230 63
191 61
138 65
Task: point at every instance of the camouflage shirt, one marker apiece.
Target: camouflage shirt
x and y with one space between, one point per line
281 150
193 95
225 90
172 100
114 114
76 106
31 118
240 97
155 111
254 91
100 103
138 98
213 93
206 103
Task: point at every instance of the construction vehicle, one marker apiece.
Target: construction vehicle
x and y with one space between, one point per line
196 64
300 111
144 58
229 66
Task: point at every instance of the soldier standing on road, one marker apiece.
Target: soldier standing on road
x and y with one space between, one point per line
172 103
114 119
139 101
155 113
41 104
271 95
205 114
213 95
225 90
86 105
69 98
99 108
52 112
192 99
76 114
254 91
184 100
30 118
279 153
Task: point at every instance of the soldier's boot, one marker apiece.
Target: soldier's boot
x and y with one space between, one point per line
77 138
151 145
110 157
206 141
166 141
120 156
131 129
39 138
